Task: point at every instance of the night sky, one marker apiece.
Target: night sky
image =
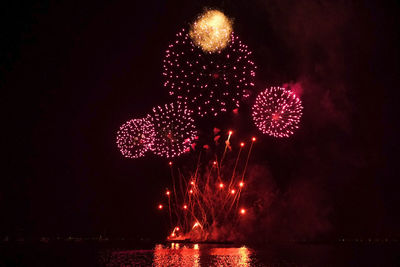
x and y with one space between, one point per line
72 72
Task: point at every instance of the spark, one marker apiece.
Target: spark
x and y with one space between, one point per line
233 191
191 191
253 139
242 144
185 207
167 193
170 163
242 211
160 207
211 31
241 184
221 185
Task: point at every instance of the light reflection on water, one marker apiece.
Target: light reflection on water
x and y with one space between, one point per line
176 254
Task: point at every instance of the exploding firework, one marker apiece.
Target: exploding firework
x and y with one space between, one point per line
209 83
277 112
135 137
211 31
208 199
174 130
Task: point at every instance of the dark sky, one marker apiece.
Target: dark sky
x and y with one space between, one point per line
72 72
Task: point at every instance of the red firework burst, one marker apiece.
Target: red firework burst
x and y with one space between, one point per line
209 83
208 198
135 137
174 130
277 112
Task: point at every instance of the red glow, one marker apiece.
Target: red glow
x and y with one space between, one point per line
241 184
275 117
242 144
230 132
253 139
173 234
233 191
221 185
160 207
185 207
192 183
177 228
167 193
170 163
191 191
242 211
215 163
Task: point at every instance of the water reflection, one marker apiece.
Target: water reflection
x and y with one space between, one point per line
176 254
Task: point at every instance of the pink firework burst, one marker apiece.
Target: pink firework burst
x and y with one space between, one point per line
174 129
209 83
277 112
135 137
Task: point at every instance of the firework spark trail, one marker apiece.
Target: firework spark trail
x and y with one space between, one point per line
226 146
209 194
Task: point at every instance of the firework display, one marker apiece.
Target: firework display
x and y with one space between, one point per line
209 83
209 197
135 137
211 31
277 112
174 129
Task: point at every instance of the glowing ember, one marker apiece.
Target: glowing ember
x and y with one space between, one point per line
242 211
242 144
221 185
185 207
253 139
241 184
277 112
233 191
191 191
211 31
160 207
167 193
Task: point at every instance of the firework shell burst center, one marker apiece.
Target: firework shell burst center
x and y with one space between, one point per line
175 130
209 83
277 112
211 31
